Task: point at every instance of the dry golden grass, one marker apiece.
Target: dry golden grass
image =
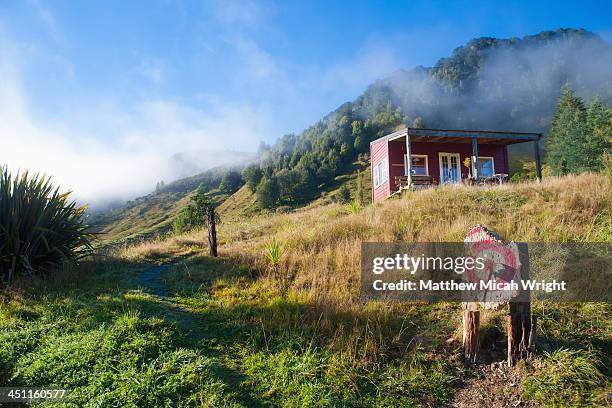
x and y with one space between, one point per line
322 243
162 248
321 255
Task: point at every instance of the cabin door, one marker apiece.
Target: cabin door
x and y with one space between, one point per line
450 169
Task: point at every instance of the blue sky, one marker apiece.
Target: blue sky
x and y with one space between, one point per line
122 85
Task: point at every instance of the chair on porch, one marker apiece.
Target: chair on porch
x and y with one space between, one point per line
497 178
418 182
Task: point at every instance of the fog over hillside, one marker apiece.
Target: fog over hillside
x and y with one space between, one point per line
178 167
503 83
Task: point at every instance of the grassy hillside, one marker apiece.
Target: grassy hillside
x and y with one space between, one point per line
146 217
231 332
151 216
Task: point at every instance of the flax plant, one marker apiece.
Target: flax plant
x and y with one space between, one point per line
274 252
40 228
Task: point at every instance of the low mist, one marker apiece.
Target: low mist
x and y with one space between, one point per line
513 86
105 153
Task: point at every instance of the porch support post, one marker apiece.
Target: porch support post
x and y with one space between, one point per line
408 158
538 160
475 158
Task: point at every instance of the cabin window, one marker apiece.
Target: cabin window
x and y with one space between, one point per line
419 165
381 173
486 166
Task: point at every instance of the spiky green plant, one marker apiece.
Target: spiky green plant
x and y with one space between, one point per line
354 207
40 228
274 252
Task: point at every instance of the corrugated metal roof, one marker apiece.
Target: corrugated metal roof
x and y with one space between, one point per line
479 134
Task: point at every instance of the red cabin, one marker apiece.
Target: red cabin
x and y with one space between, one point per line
439 156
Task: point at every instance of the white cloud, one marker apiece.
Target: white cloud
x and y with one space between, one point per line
370 62
257 62
131 160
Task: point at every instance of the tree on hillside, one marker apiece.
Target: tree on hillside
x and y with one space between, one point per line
194 214
418 123
287 180
599 132
578 135
159 186
567 136
230 182
346 152
344 194
360 194
267 193
252 175
359 145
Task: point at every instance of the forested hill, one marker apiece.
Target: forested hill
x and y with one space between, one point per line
501 83
489 83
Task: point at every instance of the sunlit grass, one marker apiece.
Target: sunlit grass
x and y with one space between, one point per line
227 334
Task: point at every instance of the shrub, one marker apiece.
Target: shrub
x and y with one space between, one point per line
344 194
194 214
354 207
607 164
252 176
267 193
39 226
274 253
231 181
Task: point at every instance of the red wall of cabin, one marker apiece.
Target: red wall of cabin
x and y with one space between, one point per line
397 150
378 152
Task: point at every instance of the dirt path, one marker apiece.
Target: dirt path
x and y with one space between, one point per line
494 385
150 279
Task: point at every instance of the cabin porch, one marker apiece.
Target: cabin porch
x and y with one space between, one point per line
443 157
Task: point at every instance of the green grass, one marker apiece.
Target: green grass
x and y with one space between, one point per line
568 377
218 339
146 217
222 338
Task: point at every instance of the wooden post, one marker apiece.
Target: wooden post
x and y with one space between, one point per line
471 325
538 160
533 335
212 231
511 340
475 158
408 158
522 332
